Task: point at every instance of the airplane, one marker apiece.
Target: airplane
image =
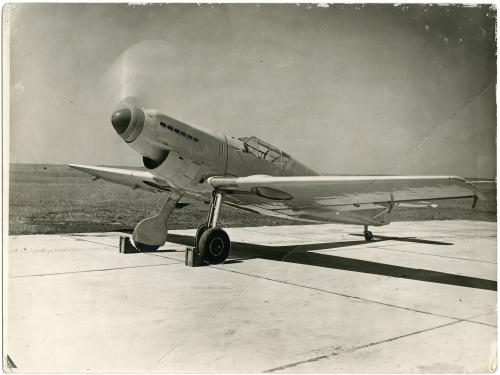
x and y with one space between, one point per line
252 175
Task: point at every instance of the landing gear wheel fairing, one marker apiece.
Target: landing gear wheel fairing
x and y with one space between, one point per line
145 248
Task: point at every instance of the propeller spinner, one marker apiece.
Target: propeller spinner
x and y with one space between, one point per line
128 119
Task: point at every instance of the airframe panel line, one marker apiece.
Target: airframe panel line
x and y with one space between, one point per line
334 354
97 270
353 297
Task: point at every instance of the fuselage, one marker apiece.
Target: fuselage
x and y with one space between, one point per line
182 157
185 155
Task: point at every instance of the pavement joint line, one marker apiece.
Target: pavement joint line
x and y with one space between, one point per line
230 301
97 270
344 295
99 243
348 296
421 236
334 354
163 256
480 316
250 229
75 237
85 240
480 323
256 276
433 255
390 242
346 248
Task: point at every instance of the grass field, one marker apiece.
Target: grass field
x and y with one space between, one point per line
57 199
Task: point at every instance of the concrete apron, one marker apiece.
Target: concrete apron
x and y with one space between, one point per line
314 298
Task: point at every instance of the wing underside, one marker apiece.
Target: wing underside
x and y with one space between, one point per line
348 199
136 179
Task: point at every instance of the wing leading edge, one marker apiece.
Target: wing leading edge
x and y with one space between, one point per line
136 179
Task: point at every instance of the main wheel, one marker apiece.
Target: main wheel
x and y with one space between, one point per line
368 235
214 245
201 229
145 248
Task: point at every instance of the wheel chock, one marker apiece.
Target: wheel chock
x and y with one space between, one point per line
126 246
193 257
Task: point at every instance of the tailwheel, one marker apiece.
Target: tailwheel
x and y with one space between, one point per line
142 247
214 245
368 234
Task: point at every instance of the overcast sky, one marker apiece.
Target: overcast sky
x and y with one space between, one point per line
345 89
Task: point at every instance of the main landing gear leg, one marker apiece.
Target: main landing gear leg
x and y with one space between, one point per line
212 242
368 234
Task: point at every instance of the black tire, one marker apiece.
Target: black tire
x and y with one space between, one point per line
143 248
201 229
214 245
368 235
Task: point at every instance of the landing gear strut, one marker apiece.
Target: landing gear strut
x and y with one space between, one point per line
368 234
212 242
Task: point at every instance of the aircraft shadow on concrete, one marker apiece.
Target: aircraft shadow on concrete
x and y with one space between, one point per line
302 254
404 239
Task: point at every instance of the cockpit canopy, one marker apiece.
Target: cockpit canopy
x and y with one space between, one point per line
264 150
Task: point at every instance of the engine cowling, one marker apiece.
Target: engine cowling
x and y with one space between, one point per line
152 163
135 125
176 170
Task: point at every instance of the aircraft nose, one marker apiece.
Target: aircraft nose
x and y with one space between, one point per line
121 120
128 122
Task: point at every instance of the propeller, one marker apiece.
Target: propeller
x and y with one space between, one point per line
139 76
138 79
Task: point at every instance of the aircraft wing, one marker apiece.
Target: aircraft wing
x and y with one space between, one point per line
136 179
326 198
